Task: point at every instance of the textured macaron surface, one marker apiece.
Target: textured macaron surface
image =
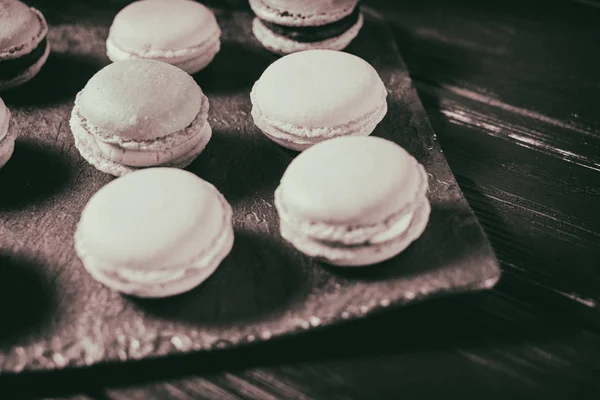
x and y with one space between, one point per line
140 99
152 219
318 88
350 181
294 12
163 25
19 25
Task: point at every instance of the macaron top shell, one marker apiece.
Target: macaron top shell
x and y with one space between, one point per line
151 219
20 28
350 181
305 12
140 99
318 88
148 26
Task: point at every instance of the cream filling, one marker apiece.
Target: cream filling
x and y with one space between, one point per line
298 134
400 237
90 152
134 158
139 158
397 229
158 144
388 233
197 133
274 128
211 45
147 277
283 45
29 73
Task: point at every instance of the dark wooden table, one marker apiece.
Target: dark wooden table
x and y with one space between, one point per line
512 90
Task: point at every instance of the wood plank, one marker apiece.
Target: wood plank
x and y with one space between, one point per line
509 94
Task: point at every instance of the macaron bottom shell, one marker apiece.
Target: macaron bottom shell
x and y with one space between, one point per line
196 64
164 283
117 160
138 158
300 138
147 153
93 155
27 74
297 143
282 45
359 255
190 60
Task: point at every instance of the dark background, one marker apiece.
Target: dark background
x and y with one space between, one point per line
512 90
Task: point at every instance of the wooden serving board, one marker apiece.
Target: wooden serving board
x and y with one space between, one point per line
53 315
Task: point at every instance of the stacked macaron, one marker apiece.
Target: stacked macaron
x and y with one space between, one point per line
311 96
154 233
287 26
140 113
183 33
23 45
353 201
7 137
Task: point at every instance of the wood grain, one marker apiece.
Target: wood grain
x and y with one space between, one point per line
537 152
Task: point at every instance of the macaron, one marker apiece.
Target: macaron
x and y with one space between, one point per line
136 114
353 201
24 48
154 233
288 26
183 33
7 139
307 97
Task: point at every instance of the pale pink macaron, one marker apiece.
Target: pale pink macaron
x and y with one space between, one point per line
307 97
183 33
353 201
137 114
154 233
